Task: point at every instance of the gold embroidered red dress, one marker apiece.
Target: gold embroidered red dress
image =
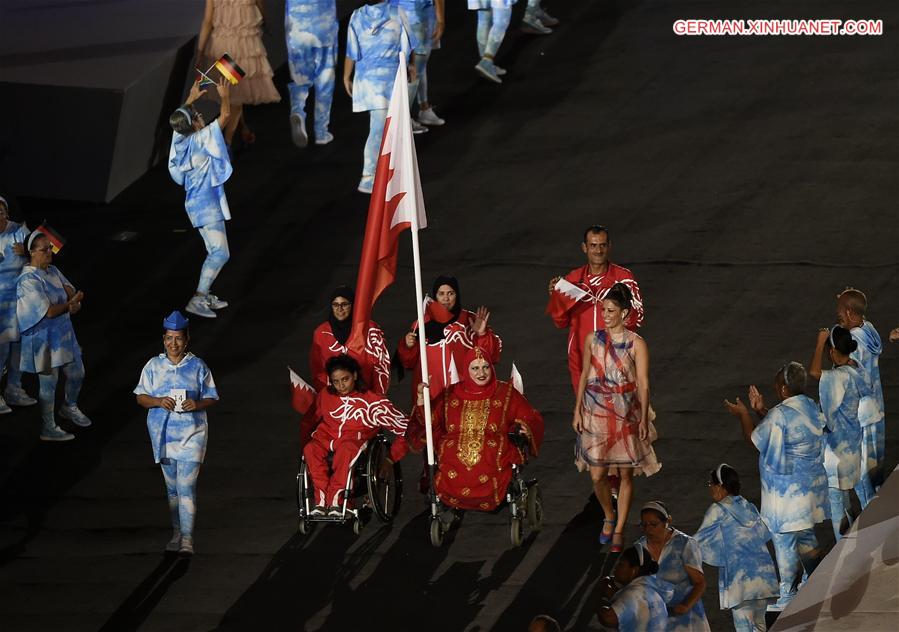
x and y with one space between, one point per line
471 436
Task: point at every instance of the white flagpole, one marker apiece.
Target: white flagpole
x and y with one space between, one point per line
422 342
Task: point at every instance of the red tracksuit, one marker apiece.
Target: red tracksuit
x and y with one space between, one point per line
346 424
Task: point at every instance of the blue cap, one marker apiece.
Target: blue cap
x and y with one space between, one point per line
175 321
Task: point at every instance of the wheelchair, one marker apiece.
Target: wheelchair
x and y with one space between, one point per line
523 498
371 493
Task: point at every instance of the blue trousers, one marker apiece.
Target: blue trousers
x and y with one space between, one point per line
9 353
749 616
217 254
796 554
373 143
312 67
492 25
181 491
74 374
839 507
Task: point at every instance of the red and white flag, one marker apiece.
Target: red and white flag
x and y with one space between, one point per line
302 395
396 204
565 295
517 382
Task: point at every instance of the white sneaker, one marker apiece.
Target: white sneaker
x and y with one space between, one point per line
197 305
545 18
418 128
4 409
335 512
487 69
214 302
17 396
174 544
187 546
366 185
318 510
298 131
55 434
429 117
499 71
324 140
530 23
73 414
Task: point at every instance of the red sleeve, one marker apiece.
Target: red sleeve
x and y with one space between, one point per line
379 357
562 321
522 413
635 318
309 422
317 361
408 357
382 413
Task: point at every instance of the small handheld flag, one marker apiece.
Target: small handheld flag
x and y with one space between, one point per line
517 382
56 240
302 395
229 69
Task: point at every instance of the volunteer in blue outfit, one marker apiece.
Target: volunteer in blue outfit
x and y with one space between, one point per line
790 441
177 387
375 38
311 31
852 307
425 18
680 564
198 160
12 260
638 597
841 389
734 538
45 302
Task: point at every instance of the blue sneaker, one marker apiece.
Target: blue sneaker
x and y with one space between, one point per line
487 69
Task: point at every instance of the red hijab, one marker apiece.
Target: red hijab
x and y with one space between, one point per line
469 388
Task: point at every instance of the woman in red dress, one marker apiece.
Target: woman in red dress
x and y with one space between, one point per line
471 423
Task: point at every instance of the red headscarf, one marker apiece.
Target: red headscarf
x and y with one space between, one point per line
470 389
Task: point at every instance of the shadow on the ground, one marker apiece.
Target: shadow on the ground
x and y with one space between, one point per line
143 599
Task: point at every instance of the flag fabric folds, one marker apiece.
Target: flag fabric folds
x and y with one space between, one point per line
396 204
56 240
565 295
302 395
229 69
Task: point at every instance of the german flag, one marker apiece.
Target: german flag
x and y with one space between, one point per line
229 69
56 240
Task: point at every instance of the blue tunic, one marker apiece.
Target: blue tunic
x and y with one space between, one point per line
867 356
199 162
841 391
640 606
791 464
679 552
375 38
733 537
47 343
11 266
178 436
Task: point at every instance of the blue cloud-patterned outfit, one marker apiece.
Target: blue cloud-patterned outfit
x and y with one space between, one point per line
790 442
199 162
871 410
11 266
841 390
48 344
679 552
421 16
493 20
311 31
641 605
178 439
734 538
375 38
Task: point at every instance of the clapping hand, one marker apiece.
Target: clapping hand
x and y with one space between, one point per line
18 248
607 587
894 335
756 401
823 334
737 409
480 321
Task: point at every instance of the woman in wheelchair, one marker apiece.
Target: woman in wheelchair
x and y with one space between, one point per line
348 415
472 420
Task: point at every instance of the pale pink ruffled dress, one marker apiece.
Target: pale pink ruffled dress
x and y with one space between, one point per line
237 30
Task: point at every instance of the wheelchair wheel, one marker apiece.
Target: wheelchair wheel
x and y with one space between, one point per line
386 495
516 531
303 526
357 525
535 507
436 532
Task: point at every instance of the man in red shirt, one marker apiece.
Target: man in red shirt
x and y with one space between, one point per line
583 315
